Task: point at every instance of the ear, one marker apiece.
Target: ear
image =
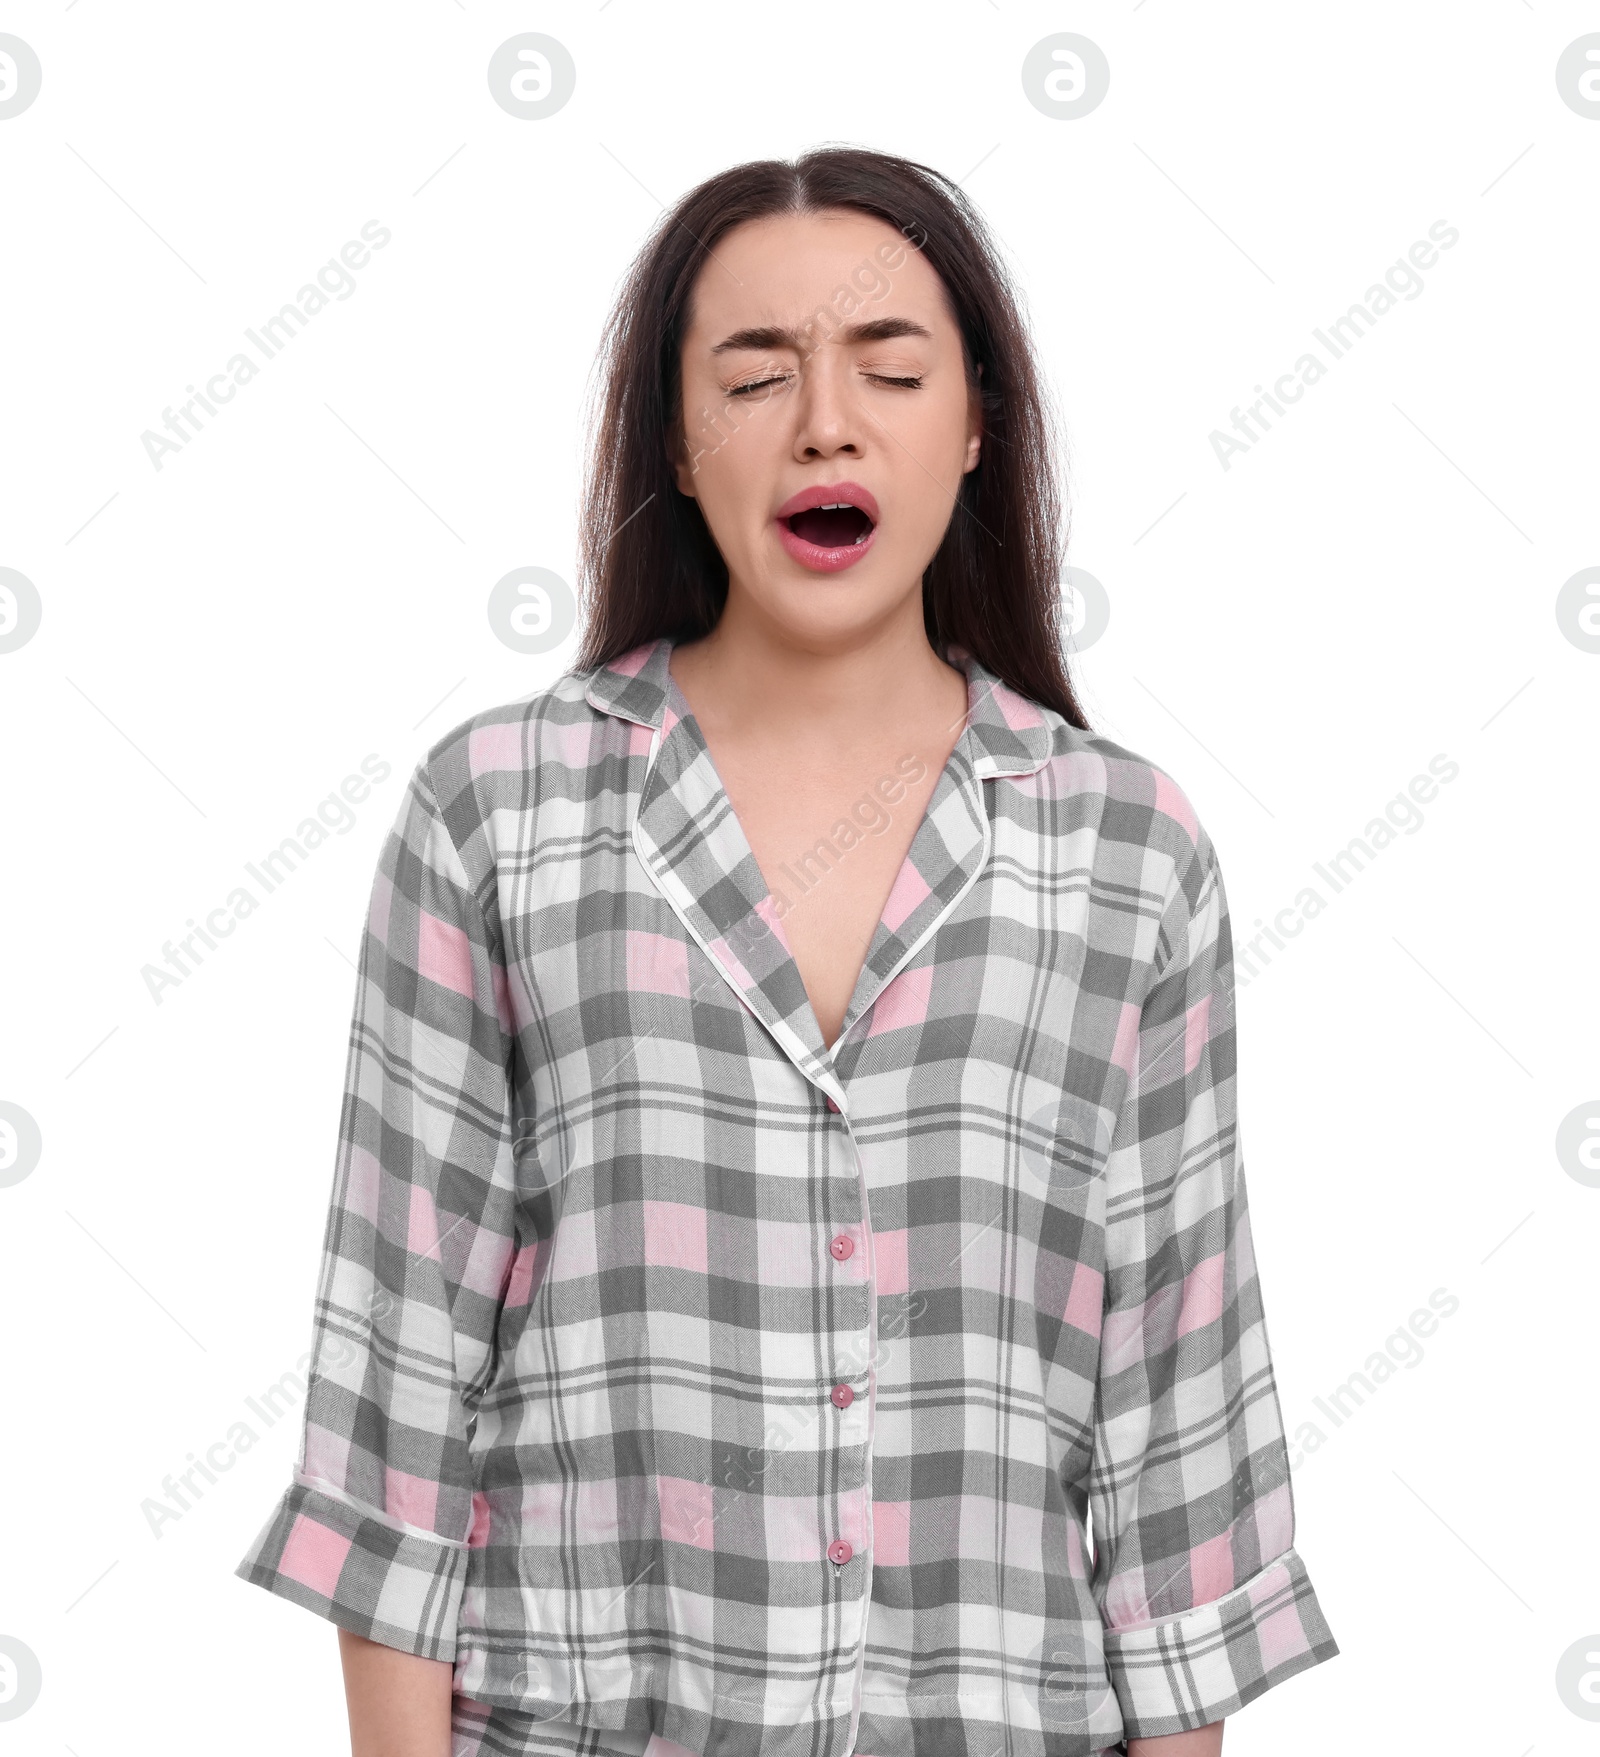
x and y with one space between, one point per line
974 427
683 466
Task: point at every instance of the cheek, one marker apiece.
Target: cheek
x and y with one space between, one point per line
934 425
929 458
732 478
922 511
926 459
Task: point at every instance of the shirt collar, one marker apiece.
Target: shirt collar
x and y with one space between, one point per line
1006 733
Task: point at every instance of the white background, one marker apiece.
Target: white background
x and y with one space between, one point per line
223 641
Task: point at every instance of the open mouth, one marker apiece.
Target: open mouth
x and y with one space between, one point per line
828 526
840 526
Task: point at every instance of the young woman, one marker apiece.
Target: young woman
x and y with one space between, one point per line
788 1287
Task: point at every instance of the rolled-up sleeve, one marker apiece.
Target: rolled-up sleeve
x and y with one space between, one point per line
1204 1601
373 1530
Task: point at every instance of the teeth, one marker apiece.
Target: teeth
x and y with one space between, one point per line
842 506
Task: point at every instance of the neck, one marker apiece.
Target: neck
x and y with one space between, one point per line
828 688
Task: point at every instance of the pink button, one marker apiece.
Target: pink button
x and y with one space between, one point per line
839 1551
831 1105
842 1247
842 1396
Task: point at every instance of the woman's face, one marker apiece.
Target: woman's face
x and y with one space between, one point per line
821 363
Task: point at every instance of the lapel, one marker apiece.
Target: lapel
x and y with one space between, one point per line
696 853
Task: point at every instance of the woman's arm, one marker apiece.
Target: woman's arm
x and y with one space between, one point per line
373 1532
1204 1741
399 1703
1205 1602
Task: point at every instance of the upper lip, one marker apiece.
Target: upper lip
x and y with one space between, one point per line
830 494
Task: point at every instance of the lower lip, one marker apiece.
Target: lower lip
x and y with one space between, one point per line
818 559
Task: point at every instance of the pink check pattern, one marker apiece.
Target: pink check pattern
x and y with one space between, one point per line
610 1226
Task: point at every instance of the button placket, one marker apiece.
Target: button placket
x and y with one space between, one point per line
856 1419
855 1424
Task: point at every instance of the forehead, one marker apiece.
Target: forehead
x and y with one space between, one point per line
782 268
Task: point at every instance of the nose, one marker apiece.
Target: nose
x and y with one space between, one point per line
830 421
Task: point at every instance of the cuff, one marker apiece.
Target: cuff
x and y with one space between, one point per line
1192 1669
362 1570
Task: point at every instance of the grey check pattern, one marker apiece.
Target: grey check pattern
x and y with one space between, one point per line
695 1388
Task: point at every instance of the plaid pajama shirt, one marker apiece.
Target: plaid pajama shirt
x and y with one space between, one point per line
694 1387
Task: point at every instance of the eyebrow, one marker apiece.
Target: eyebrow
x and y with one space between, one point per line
765 337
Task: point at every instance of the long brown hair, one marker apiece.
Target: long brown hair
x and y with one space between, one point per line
647 564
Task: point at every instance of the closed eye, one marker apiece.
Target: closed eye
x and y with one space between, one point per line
744 390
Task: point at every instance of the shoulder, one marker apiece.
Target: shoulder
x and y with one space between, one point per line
1150 843
517 737
1141 814
507 758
